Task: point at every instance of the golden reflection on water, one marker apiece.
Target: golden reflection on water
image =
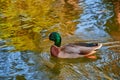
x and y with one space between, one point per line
22 21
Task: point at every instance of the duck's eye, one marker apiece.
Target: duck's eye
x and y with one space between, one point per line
51 37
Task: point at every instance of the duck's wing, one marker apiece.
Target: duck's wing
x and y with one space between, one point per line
70 49
80 48
86 44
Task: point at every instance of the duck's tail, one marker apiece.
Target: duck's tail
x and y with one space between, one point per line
99 46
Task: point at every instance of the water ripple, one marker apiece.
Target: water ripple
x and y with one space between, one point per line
19 64
93 20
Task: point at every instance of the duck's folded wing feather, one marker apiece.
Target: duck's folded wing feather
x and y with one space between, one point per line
85 44
70 49
77 49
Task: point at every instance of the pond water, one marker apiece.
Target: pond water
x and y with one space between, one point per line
24 45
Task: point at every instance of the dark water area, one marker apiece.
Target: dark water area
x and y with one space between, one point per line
26 57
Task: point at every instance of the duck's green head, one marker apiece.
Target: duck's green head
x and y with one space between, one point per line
55 36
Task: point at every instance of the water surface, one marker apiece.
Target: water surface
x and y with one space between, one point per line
24 45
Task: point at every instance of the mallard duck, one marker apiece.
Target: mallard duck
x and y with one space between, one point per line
72 50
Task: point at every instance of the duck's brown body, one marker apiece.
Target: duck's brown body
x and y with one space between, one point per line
75 50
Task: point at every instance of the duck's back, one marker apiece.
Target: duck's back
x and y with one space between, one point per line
80 48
